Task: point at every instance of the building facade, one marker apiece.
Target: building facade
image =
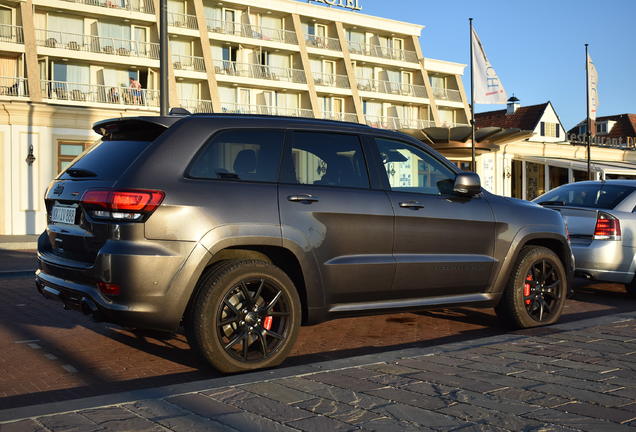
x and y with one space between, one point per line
68 63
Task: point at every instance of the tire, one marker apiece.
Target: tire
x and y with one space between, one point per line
530 298
246 316
631 288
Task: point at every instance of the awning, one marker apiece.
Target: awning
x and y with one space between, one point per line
606 167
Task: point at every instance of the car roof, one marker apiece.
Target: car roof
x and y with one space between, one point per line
617 182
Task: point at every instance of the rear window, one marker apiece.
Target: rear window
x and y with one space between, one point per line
599 196
106 160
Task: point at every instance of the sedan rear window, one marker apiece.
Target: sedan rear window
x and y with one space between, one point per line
106 160
600 196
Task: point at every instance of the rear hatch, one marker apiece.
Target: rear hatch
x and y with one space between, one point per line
72 233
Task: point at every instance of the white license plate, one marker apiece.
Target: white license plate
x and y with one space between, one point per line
63 214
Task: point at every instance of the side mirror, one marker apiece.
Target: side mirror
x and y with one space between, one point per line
467 184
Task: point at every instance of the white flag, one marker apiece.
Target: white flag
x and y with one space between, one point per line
488 88
592 89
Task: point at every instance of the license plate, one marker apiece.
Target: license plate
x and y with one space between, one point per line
63 214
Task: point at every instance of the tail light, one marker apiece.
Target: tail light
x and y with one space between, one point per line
122 205
109 289
607 227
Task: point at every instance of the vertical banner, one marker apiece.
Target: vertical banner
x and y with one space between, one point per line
488 88
592 90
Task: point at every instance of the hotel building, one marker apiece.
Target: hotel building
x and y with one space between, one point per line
65 64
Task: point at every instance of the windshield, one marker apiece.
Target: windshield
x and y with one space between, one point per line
106 160
599 196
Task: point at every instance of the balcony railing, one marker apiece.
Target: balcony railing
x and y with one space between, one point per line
397 123
383 52
331 80
447 94
197 105
251 31
96 44
13 86
249 70
390 87
182 20
331 115
11 33
322 42
190 63
232 107
144 6
78 92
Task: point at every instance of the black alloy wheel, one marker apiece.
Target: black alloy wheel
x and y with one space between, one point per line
253 320
542 290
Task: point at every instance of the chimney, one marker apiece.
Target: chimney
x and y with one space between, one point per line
513 105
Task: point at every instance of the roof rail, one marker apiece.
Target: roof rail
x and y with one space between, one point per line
306 119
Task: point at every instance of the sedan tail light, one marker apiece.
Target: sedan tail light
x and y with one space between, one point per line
122 205
608 227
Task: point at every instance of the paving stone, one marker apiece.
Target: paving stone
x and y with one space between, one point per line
392 425
584 375
390 368
472 413
518 380
343 381
249 422
23 426
361 372
70 422
409 398
490 401
278 392
542 377
172 417
154 409
575 394
339 411
576 421
321 424
447 360
530 397
120 419
480 427
422 417
430 389
273 409
201 405
352 398
596 411
230 395
423 363
392 380
457 382
102 415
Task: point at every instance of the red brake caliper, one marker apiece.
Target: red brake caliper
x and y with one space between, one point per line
267 322
526 289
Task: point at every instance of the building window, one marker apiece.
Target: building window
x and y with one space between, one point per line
535 180
601 128
550 129
67 151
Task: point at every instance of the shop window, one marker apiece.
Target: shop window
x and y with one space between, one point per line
535 180
67 151
558 176
517 179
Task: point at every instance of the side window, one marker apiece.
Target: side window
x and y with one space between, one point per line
327 159
411 169
246 154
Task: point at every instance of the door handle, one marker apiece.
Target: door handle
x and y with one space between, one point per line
303 198
415 205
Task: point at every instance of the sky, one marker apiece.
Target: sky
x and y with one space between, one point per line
537 47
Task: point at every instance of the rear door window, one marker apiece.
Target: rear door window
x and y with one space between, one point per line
326 159
600 196
243 155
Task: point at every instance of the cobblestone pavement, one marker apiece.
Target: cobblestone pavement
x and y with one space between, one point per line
576 376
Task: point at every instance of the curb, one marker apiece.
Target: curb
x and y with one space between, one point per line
22 413
18 246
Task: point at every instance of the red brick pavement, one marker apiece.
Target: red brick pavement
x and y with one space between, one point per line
48 354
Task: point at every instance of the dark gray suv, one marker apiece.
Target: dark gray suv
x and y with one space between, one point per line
241 228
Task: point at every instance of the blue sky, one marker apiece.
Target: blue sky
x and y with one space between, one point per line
536 47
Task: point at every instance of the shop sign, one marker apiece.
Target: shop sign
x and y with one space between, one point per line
603 141
347 4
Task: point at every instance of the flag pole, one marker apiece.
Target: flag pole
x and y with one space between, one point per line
472 98
589 121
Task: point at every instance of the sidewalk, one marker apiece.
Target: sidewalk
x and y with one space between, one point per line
18 242
573 376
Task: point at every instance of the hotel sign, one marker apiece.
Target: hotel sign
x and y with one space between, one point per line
347 4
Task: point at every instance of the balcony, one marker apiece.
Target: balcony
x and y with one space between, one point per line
447 94
331 80
251 31
232 107
314 41
96 44
341 116
11 33
14 86
383 52
182 20
188 63
397 123
390 87
197 105
223 67
95 93
144 6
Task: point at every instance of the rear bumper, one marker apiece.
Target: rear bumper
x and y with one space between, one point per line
144 271
604 260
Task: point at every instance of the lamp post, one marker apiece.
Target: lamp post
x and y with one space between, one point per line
163 57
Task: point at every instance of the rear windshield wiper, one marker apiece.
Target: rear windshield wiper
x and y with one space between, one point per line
559 203
80 172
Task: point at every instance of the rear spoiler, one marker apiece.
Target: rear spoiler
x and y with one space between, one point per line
144 128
